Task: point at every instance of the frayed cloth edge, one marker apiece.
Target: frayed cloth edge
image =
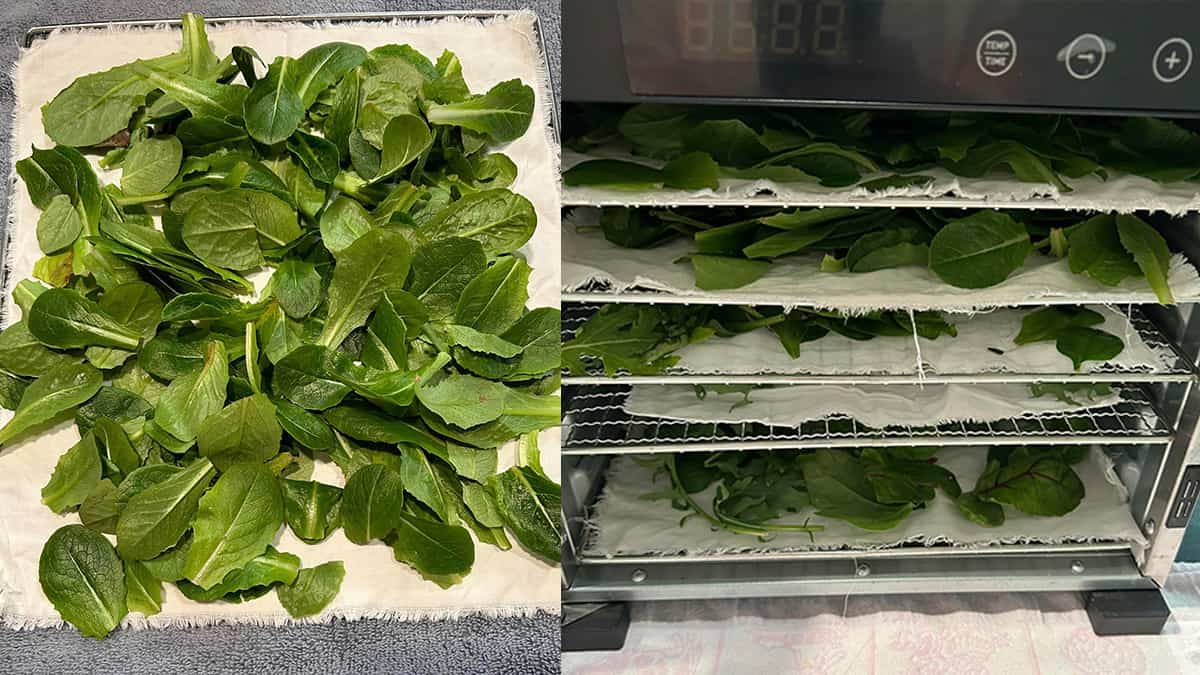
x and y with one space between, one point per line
275 619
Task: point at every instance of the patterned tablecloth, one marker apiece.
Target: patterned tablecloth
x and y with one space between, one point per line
915 635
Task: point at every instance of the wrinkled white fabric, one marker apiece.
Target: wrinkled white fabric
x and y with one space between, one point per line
1120 193
794 281
503 582
873 405
622 523
971 351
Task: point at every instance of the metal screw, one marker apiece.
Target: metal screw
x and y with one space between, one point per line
639 575
862 570
1077 567
1149 526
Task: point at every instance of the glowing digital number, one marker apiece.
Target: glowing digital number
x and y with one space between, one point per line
831 20
698 28
741 27
785 27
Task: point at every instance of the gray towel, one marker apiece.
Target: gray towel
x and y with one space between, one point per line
476 645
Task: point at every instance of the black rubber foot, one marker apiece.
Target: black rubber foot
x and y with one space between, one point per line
1130 612
600 627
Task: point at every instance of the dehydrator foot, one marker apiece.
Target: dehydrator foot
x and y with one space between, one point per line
1127 612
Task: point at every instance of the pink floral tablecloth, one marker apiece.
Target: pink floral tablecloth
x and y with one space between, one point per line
912 635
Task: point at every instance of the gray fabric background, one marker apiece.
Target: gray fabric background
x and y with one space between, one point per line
474 645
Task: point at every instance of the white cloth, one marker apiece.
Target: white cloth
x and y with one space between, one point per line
798 281
502 583
759 352
1121 193
624 524
870 404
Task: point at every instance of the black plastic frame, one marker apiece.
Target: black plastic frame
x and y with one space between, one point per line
595 69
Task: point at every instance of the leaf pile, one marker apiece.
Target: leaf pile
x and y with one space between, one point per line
1071 330
635 338
392 338
640 339
735 247
870 488
1037 480
754 489
838 148
873 488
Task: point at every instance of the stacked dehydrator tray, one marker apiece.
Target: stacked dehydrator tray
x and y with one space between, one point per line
799 73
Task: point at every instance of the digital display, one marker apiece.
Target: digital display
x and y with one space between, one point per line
698 47
754 30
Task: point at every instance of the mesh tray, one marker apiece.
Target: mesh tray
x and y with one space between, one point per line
595 422
1173 369
599 291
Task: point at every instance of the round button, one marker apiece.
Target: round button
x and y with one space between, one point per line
996 53
1172 60
1085 56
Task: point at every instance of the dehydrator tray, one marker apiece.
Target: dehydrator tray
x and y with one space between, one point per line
1120 193
596 270
596 422
972 356
873 405
621 523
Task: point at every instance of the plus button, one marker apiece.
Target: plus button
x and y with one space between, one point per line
1172 60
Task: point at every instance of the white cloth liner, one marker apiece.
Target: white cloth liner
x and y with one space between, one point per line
759 352
797 280
621 523
874 405
503 583
1120 193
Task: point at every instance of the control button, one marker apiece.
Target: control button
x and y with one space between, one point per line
996 53
1172 60
1085 56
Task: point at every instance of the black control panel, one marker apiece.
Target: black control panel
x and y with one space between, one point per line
1185 499
1101 56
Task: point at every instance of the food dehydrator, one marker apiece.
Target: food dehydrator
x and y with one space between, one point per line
1060 57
